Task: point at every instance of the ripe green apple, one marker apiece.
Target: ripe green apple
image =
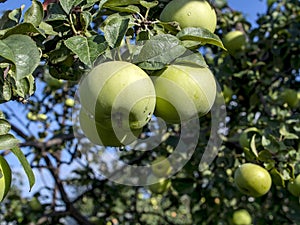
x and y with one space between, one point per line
118 94
5 177
99 135
183 92
241 217
290 96
234 41
252 180
294 186
190 13
161 167
159 187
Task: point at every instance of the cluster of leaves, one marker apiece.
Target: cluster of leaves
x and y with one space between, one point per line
66 38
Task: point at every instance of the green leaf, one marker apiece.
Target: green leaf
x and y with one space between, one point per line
26 54
97 46
287 135
47 28
277 178
6 52
253 145
87 49
34 14
56 13
5 91
85 19
201 35
67 5
191 58
159 51
8 141
115 30
21 157
149 5
79 45
23 28
265 156
108 3
24 87
126 9
10 18
4 126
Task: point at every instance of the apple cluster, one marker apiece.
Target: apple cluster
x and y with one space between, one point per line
118 99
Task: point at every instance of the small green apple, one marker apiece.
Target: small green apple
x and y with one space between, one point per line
31 116
70 102
183 92
161 167
99 135
118 93
190 13
42 116
159 187
290 96
234 41
294 187
252 180
241 217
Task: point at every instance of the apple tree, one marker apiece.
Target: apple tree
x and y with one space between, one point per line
249 115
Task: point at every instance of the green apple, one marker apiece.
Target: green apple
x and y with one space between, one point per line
161 186
70 102
184 92
294 186
290 96
99 135
252 180
31 116
190 13
5 177
118 94
234 41
241 217
161 167
42 116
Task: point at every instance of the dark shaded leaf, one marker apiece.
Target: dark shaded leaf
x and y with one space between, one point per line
26 54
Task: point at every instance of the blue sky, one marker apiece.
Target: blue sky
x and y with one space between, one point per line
249 8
